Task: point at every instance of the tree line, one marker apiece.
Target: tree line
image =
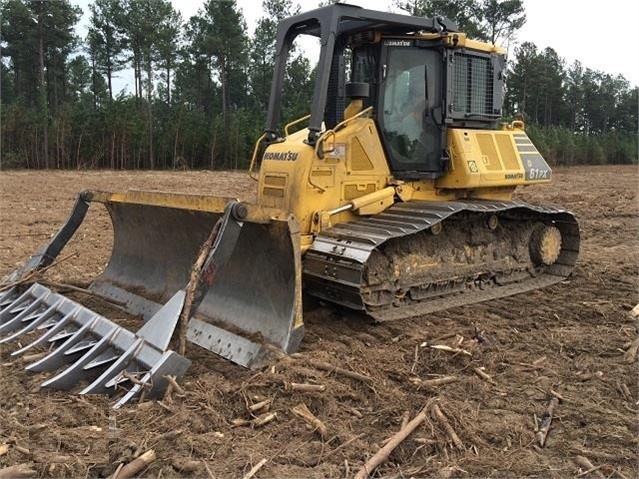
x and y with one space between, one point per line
201 85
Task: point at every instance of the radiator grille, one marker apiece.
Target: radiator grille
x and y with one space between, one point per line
473 84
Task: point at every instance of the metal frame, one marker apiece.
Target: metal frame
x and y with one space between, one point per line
330 24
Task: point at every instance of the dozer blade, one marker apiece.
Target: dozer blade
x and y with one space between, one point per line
243 299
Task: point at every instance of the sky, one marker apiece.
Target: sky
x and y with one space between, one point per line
601 35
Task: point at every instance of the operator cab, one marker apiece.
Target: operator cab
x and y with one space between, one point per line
419 82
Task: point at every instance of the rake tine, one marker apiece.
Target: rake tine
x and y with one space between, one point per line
34 323
99 386
131 393
51 332
75 373
7 297
57 357
14 323
7 310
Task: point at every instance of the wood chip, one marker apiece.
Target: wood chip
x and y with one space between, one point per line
437 413
32 358
482 374
448 349
255 468
302 411
395 441
584 463
545 421
303 387
635 311
630 355
264 419
185 465
174 384
18 472
259 405
337 370
343 445
137 465
436 381
4 448
22 450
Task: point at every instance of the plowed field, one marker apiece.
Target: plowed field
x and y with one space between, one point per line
568 341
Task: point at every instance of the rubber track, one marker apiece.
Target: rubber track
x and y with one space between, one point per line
335 263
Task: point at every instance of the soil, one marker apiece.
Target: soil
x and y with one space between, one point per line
569 340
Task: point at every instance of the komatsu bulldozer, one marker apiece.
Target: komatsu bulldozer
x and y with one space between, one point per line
393 197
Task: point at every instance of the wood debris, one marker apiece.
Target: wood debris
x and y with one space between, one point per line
304 387
337 370
185 465
18 472
343 446
439 415
448 349
254 469
264 419
395 441
32 358
630 355
545 421
136 466
260 405
482 374
588 467
434 382
195 277
302 411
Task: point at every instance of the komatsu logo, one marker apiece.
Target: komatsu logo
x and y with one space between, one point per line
280 155
397 43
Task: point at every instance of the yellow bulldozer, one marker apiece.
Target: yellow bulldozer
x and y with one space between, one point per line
393 197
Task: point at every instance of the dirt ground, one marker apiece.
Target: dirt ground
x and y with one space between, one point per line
568 339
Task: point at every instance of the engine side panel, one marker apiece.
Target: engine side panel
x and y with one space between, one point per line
493 158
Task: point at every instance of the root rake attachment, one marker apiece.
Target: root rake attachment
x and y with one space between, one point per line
94 351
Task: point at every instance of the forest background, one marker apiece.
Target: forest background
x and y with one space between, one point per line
201 85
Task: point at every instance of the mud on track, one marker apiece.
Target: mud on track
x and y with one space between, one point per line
569 338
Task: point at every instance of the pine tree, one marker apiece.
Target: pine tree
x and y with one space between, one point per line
106 35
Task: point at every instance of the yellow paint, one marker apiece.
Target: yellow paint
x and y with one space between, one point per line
214 204
354 166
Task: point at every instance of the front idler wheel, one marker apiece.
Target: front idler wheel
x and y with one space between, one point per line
545 245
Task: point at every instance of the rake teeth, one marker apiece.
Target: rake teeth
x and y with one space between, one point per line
93 349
